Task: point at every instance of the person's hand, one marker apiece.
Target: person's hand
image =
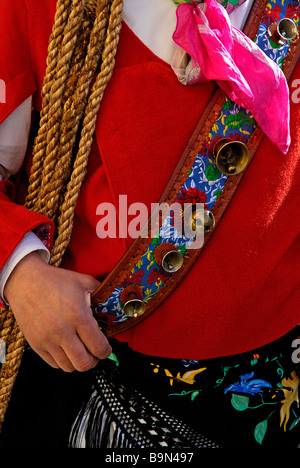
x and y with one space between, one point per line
52 308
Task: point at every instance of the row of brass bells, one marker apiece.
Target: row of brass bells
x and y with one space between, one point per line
171 260
198 221
231 156
282 31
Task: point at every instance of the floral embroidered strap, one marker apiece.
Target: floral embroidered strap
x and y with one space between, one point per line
140 276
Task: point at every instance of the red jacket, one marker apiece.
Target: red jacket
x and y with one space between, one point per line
243 290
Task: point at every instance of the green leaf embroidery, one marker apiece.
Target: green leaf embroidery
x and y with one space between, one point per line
294 424
182 249
240 402
274 44
194 394
228 103
217 193
260 431
249 120
235 121
212 173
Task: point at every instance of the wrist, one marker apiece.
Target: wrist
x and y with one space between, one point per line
23 272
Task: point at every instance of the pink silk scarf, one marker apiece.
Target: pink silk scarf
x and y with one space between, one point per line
212 49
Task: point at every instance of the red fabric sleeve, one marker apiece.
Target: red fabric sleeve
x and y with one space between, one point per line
16 221
17 84
16 74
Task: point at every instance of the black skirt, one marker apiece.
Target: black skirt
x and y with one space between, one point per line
247 400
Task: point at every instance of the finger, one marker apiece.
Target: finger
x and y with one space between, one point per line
59 356
92 337
45 356
79 356
48 359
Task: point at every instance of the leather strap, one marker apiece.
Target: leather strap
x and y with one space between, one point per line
107 299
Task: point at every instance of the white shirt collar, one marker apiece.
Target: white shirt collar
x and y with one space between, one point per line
154 22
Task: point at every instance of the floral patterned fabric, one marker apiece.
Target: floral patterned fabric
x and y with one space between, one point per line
247 400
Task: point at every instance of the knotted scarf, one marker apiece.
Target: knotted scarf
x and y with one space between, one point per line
212 49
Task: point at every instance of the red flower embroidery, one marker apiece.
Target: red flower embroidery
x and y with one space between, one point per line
191 195
135 278
208 146
158 276
105 319
238 137
292 11
271 14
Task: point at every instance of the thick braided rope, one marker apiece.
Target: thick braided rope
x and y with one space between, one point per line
65 22
15 342
15 345
60 21
13 337
65 220
51 192
55 110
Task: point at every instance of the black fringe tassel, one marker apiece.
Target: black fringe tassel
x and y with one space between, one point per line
95 427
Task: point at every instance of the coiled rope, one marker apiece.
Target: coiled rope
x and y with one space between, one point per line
82 46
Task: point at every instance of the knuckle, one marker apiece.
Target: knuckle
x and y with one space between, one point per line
77 316
85 364
60 332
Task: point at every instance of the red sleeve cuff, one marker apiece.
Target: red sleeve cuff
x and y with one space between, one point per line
16 221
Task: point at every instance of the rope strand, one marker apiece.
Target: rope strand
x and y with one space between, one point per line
65 221
83 43
55 110
60 21
73 113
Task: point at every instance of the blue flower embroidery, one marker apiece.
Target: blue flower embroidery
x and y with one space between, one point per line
188 362
246 385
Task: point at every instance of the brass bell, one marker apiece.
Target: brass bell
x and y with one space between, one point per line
282 31
132 300
231 156
134 308
201 220
169 257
